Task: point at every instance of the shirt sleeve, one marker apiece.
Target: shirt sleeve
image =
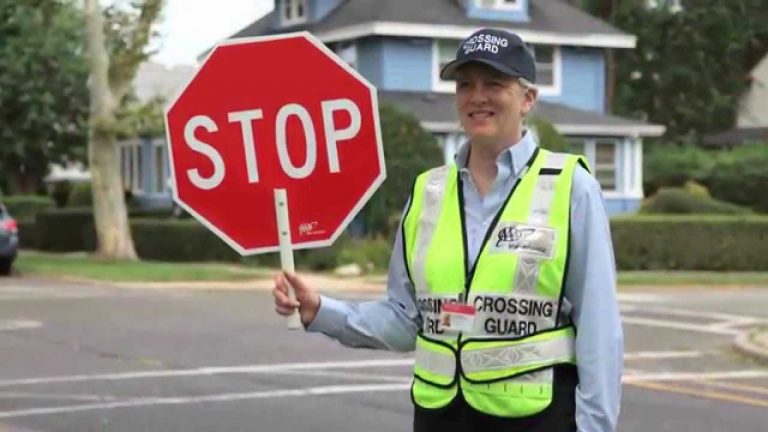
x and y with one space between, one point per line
390 323
591 291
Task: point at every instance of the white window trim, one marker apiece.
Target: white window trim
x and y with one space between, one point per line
293 20
556 89
441 86
501 5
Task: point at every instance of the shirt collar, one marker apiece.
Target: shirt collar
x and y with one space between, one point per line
514 158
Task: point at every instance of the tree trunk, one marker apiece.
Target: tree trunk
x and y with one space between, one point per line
109 210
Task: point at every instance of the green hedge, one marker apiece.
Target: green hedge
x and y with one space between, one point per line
24 207
66 230
178 240
649 242
717 243
28 235
188 240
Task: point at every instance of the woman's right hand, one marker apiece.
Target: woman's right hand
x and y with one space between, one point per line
307 299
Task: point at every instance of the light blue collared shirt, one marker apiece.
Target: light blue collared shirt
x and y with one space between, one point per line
590 289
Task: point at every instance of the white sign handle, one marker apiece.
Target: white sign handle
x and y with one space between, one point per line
293 321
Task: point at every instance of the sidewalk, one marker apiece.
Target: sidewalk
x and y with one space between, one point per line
754 343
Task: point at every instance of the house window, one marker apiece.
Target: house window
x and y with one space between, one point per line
159 180
601 154
545 65
605 164
501 4
131 165
444 52
347 51
294 11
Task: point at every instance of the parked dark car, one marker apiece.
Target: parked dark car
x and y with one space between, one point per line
9 241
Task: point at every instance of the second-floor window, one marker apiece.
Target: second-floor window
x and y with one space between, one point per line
294 11
501 4
547 66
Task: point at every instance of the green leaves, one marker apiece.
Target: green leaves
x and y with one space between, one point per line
408 151
43 84
689 68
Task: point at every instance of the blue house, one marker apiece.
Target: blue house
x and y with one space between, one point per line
400 46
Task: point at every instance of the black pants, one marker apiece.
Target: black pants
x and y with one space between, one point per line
560 416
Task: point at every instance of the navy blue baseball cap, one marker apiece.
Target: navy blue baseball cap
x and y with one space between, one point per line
499 49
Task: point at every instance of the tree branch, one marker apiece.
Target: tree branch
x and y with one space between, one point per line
101 100
127 61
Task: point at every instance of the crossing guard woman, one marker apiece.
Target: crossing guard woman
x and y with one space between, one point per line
502 277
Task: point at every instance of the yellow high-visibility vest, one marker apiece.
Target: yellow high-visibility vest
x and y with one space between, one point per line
503 366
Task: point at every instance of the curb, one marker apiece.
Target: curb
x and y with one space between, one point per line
746 344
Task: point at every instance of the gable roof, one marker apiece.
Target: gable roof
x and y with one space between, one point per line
551 22
736 137
436 113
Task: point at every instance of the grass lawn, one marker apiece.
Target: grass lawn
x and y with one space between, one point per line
672 278
80 265
84 266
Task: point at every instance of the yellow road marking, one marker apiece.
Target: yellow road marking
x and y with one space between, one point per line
734 386
728 397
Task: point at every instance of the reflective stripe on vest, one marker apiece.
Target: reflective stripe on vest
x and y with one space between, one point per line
516 287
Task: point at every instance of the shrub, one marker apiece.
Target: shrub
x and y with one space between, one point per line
66 230
409 150
670 166
740 176
716 243
369 254
60 192
682 201
24 207
548 137
80 195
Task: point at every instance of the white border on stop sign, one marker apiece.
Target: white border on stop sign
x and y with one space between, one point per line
377 126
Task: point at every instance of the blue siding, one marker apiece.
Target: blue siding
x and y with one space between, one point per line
616 206
370 60
475 11
583 79
318 9
406 64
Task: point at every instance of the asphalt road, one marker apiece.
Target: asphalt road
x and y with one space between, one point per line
96 358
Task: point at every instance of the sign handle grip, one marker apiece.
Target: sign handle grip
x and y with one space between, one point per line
293 321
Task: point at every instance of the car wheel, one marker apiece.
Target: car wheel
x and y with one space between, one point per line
5 267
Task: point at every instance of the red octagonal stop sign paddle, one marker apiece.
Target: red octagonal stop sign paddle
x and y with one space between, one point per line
276 113
275 143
